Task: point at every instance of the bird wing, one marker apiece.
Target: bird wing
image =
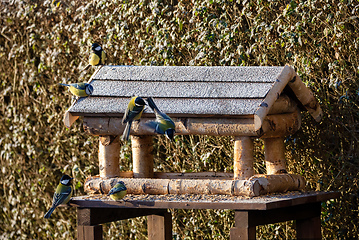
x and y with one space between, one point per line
116 189
154 125
103 57
131 114
80 86
60 195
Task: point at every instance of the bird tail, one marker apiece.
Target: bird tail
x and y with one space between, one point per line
64 84
126 132
152 104
48 214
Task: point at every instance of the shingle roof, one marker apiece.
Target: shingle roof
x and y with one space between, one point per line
182 90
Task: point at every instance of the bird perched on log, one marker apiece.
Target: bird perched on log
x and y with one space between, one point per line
133 112
163 124
97 57
79 89
118 191
62 194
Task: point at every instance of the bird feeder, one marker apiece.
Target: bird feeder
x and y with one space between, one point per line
243 102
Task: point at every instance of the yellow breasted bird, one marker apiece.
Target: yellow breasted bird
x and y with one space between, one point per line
133 112
62 194
79 89
97 57
118 191
163 124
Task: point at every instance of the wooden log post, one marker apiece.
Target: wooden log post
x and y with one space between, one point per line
159 226
142 155
243 158
109 156
274 155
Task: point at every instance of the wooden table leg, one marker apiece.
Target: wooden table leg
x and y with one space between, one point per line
242 228
310 228
89 232
160 226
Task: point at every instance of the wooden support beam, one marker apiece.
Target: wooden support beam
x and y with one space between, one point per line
159 226
243 229
272 96
176 186
309 227
254 186
89 232
243 158
274 153
307 218
109 156
306 97
273 126
142 155
96 216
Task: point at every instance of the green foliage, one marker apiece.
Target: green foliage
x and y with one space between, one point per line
43 43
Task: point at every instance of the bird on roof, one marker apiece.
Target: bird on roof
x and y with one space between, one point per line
79 89
118 191
133 112
163 123
97 57
62 194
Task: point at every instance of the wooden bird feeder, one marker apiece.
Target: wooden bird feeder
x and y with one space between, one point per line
243 102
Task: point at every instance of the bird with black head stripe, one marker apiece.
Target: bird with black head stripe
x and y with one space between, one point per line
62 194
133 112
163 123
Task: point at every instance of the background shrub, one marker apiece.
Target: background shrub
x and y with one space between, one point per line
43 43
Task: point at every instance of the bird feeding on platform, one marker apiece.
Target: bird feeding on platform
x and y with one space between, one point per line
97 57
133 112
62 194
163 123
79 89
118 191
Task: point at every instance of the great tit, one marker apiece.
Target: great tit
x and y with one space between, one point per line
97 57
118 191
133 112
62 194
79 89
163 124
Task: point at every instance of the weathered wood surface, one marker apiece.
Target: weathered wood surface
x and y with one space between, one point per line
183 175
254 186
176 186
188 201
274 153
108 155
272 95
142 155
306 98
273 126
243 158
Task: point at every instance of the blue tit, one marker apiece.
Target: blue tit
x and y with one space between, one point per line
62 194
163 124
133 112
118 191
79 89
98 55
